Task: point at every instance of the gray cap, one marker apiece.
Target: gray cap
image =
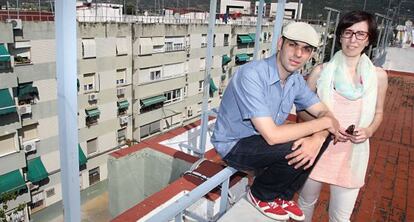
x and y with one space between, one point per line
301 31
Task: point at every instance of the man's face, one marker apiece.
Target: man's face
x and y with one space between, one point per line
293 55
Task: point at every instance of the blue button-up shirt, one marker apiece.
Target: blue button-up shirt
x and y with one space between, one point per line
255 91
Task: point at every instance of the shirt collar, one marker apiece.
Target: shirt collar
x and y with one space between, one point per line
273 73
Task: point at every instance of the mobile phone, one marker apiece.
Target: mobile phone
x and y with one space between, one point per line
350 129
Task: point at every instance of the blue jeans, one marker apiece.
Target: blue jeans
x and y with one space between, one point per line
274 177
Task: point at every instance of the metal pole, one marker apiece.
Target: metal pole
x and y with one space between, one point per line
8 10
188 199
334 37
258 30
18 8
207 76
325 37
299 11
40 12
66 64
280 12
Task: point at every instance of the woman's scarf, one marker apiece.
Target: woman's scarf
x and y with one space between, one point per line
333 77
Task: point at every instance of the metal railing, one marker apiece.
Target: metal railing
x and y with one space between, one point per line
176 209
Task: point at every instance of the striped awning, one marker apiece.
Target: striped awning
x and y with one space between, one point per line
153 100
93 112
123 104
7 104
4 54
244 39
36 171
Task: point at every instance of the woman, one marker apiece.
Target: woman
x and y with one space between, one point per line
354 90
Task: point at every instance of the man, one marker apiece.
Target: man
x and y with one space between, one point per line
250 133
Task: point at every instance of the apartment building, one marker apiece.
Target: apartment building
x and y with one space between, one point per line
134 81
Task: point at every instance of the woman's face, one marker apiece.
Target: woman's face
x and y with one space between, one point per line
354 39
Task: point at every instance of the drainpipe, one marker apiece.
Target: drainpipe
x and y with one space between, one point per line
66 68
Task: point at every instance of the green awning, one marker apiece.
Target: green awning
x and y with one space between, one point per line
242 57
4 54
82 157
213 86
93 112
36 171
27 91
153 100
7 104
225 60
253 36
12 181
123 104
244 39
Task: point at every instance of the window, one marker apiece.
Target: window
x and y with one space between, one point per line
121 46
92 146
94 176
22 52
152 103
150 129
189 112
200 85
226 39
89 82
120 77
158 44
155 75
173 96
37 200
29 132
121 136
88 48
168 46
178 46
202 64
8 144
203 40
50 192
92 116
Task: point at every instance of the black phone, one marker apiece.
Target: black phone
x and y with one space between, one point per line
350 129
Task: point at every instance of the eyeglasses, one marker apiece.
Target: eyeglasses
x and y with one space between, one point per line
360 35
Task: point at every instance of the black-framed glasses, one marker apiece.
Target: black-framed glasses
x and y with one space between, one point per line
360 35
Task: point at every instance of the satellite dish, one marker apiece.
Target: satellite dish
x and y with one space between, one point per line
89 1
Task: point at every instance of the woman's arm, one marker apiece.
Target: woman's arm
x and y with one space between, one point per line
361 134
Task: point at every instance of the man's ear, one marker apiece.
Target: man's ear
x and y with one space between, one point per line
279 43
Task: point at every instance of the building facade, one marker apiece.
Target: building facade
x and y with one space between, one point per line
134 81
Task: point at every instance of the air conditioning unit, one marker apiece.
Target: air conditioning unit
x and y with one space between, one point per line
92 97
123 120
29 146
25 109
16 23
120 91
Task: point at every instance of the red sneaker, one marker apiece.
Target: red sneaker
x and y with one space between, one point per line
270 209
291 208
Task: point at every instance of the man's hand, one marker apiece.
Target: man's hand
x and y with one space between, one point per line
305 151
334 127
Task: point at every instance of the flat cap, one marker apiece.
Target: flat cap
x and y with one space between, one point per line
301 31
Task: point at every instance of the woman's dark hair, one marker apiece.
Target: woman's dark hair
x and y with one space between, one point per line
350 18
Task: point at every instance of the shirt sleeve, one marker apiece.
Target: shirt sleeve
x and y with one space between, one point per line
304 97
250 94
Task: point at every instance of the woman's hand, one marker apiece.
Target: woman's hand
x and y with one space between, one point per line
360 135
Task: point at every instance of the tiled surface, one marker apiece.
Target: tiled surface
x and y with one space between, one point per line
388 194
